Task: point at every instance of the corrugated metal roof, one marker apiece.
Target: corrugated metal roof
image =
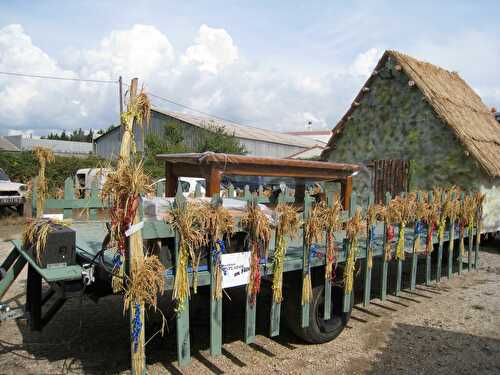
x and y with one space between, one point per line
241 131
59 147
6 145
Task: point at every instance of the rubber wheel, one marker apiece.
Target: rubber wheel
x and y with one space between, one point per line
319 330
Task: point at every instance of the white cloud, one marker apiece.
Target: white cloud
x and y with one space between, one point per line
213 50
365 62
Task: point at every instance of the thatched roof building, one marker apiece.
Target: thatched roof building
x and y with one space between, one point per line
410 110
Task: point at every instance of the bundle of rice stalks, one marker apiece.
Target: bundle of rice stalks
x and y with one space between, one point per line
466 216
353 228
448 211
44 156
190 222
287 225
420 214
123 187
479 198
258 227
218 224
313 233
35 235
431 218
147 283
401 210
385 215
332 221
373 213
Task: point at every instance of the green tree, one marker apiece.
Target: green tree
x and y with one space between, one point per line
217 139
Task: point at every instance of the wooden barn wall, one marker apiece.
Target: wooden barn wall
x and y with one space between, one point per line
393 121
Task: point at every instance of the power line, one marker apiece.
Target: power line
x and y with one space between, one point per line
57 78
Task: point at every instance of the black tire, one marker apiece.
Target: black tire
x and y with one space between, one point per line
20 209
319 330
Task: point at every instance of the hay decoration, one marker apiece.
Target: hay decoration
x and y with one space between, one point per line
353 228
218 224
287 225
123 187
313 229
373 213
431 218
258 226
401 210
190 221
44 156
479 200
389 231
35 235
332 221
420 214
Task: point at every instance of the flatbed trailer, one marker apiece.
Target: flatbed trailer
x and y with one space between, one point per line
319 321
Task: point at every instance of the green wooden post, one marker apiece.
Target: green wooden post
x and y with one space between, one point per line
368 268
69 194
160 189
416 244
251 307
428 257
460 257
305 259
399 264
274 326
327 308
470 243
215 304
182 318
12 266
385 264
230 191
451 242
346 306
94 196
33 196
440 247
197 190
478 237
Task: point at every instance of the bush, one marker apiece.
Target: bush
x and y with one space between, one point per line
22 166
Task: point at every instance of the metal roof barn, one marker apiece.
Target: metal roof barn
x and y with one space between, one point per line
257 142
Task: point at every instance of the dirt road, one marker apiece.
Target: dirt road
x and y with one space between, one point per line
452 328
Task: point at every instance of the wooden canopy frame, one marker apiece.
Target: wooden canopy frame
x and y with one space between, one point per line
212 166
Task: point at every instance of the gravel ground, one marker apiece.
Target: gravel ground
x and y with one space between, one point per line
453 327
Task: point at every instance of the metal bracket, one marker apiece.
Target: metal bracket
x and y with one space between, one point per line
88 274
6 313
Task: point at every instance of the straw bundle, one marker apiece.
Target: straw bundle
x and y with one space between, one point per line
287 225
332 221
431 218
256 223
44 156
448 211
124 187
218 224
479 198
385 215
313 233
401 210
35 235
420 214
373 213
353 228
190 222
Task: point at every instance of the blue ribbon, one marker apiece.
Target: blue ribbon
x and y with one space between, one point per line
136 332
372 234
217 251
419 227
117 261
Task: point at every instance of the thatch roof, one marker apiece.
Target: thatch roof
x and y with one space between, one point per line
453 101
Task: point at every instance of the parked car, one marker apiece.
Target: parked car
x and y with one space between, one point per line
12 194
85 177
188 185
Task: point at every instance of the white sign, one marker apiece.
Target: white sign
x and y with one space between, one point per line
59 217
134 228
235 269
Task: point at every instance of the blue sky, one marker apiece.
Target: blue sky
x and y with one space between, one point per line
266 63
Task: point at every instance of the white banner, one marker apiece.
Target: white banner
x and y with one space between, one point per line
235 269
